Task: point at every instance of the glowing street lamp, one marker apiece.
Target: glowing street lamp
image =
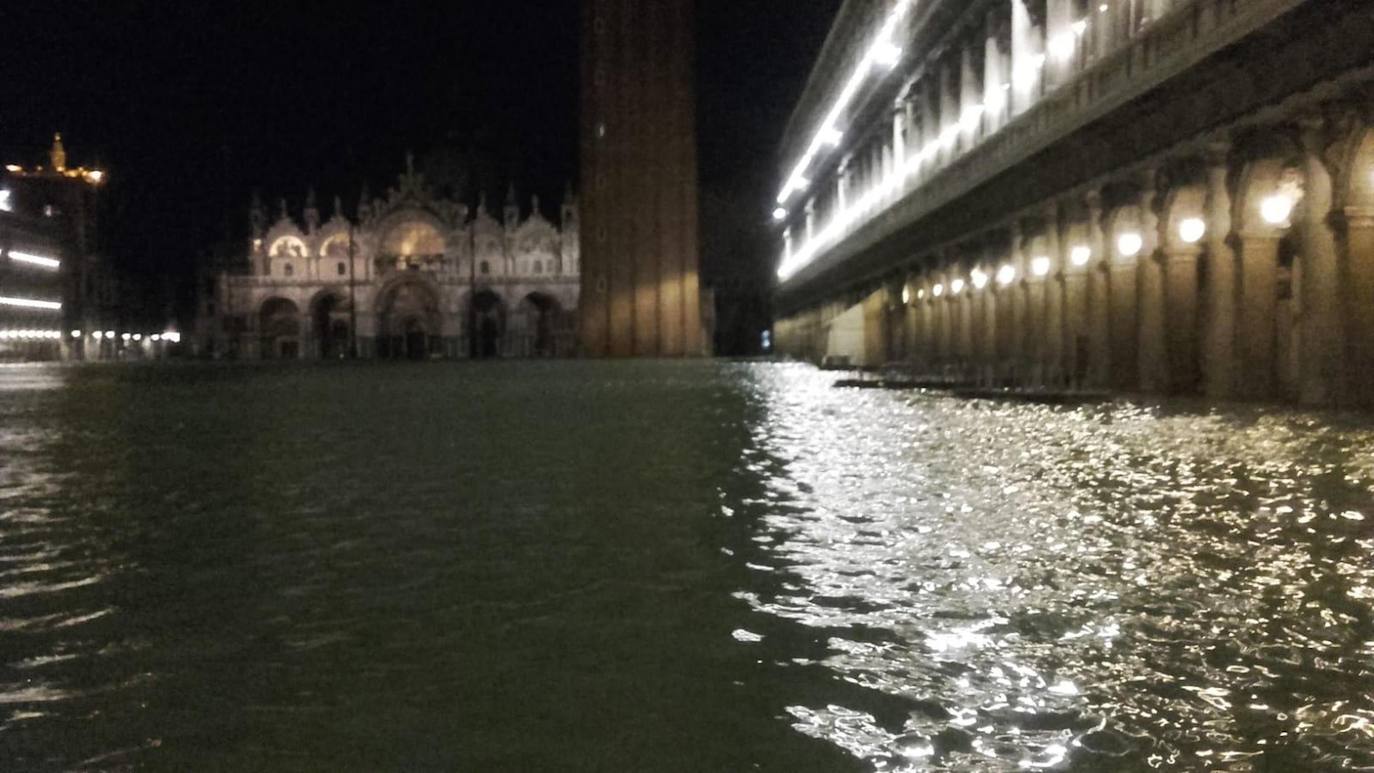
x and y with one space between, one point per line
1192 230
1130 244
1277 209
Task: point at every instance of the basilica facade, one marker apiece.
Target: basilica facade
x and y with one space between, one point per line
413 276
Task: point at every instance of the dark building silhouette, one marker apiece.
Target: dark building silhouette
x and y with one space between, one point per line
640 291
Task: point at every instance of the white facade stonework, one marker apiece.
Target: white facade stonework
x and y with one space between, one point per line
416 276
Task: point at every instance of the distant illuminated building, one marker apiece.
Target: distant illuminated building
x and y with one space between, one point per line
414 276
49 234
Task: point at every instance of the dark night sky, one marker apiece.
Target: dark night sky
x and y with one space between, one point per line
191 105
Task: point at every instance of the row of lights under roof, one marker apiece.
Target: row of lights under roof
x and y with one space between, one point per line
1191 231
90 176
884 51
170 336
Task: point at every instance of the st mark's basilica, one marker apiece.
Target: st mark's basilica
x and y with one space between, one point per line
415 276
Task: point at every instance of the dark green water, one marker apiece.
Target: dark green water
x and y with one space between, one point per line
669 566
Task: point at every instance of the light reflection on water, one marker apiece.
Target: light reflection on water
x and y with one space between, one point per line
1101 588
655 566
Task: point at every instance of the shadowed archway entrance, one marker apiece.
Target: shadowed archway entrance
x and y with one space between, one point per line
408 322
329 324
279 328
486 325
541 319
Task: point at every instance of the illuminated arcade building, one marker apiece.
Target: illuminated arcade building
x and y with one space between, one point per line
1168 196
31 288
59 298
428 278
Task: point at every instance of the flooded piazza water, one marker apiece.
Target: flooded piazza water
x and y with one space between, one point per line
699 566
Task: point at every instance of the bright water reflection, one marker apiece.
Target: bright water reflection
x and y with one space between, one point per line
1097 589
659 566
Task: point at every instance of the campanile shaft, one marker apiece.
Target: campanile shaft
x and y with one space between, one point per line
640 292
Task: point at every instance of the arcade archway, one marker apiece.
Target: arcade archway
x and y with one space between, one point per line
486 321
541 320
329 322
279 328
408 322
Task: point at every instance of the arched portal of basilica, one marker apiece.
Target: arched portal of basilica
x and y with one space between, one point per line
411 276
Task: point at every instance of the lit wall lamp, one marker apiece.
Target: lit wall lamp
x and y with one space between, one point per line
76 334
980 278
1080 255
1191 230
1040 266
1006 275
906 295
780 214
1277 209
1130 244
938 290
956 287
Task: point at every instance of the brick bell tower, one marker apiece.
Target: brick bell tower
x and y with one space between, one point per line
640 293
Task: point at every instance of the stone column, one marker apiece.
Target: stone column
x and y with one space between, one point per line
1036 322
1023 53
1019 327
1359 303
1054 297
842 185
899 125
1059 26
1259 259
1322 368
989 324
967 335
1125 335
1098 296
970 95
994 75
1181 305
1153 369
1219 367
946 321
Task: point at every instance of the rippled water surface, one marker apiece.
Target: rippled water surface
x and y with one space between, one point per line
669 566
